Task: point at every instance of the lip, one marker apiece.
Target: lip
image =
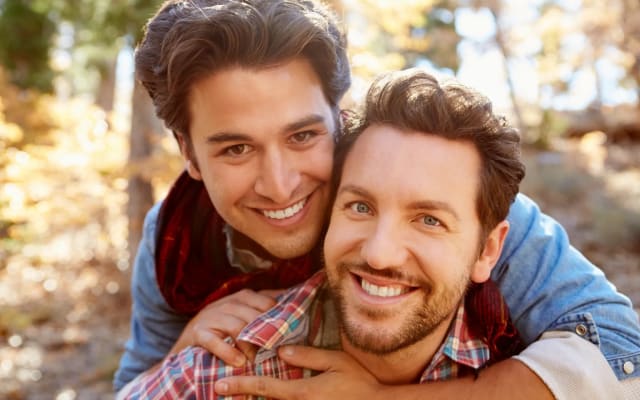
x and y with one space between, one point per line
290 221
377 300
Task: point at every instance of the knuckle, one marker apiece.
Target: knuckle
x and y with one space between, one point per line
244 292
261 386
302 393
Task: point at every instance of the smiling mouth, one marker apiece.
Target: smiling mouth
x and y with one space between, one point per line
285 212
383 291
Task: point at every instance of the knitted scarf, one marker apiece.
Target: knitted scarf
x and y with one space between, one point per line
488 317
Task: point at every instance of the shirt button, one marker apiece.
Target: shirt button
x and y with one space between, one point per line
581 329
628 368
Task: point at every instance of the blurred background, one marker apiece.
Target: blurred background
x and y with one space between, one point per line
82 156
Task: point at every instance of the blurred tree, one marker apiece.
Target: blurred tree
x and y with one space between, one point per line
502 43
631 41
389 35
100 30
26 32
393 36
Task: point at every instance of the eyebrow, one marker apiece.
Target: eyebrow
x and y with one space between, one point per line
416 205
222 137
434 205
353 189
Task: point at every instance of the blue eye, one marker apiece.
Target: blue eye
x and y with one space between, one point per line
431 221
360 208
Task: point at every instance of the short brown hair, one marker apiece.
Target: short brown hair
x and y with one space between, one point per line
414 100
187 40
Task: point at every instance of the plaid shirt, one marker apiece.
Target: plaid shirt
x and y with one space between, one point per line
191 374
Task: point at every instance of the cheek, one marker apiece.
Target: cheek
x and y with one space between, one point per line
344 237
319 161
226 184
440 261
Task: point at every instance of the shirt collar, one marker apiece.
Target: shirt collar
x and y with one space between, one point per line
459 346
287 322
245 260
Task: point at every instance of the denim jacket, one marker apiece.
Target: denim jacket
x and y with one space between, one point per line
548 286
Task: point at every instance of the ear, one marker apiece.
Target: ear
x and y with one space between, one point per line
490 253
189 157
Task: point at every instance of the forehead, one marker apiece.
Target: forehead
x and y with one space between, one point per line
407 166
253 101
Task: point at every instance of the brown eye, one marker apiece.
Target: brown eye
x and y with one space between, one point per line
302 137
237 150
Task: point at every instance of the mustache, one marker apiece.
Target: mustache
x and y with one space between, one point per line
388 273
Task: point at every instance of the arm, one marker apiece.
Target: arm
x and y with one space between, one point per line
157 330
154 326
550 286
344 378
572 375
580 372
176 378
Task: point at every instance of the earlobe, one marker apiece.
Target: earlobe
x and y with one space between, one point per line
192 170
490 253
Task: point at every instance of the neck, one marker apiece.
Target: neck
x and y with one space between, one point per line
242 242
404 366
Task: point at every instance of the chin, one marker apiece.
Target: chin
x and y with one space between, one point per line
287 248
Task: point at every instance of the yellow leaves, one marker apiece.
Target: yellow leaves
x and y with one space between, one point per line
397 17
9 133
61 188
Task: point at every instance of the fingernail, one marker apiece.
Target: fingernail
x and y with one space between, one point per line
222 387
240 360
287 351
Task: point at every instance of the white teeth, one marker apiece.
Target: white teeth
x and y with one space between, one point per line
382 291
287 212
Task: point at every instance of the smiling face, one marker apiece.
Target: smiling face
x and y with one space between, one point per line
403 241
262 144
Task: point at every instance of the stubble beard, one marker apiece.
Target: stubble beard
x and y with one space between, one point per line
419 323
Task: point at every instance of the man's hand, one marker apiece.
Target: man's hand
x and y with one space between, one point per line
224 319
342 378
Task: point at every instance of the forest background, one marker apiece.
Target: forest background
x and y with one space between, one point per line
82 156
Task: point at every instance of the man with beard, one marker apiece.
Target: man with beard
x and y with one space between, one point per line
422 183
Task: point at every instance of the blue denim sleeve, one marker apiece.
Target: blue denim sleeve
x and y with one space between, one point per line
155 327
550 286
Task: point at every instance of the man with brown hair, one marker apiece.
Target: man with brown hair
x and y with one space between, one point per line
415 231
251 90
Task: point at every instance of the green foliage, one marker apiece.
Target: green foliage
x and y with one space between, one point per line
551 126
26 32
441 39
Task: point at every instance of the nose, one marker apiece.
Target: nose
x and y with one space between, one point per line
278 178
385 247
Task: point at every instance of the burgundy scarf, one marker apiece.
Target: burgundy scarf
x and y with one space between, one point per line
489 319
191 256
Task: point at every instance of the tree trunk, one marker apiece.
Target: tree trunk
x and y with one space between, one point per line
143 124
106 88
504 50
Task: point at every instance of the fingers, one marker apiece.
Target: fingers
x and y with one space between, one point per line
262 301
273 293
259 386
248 349
223 314
311 358
221 348
226 318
